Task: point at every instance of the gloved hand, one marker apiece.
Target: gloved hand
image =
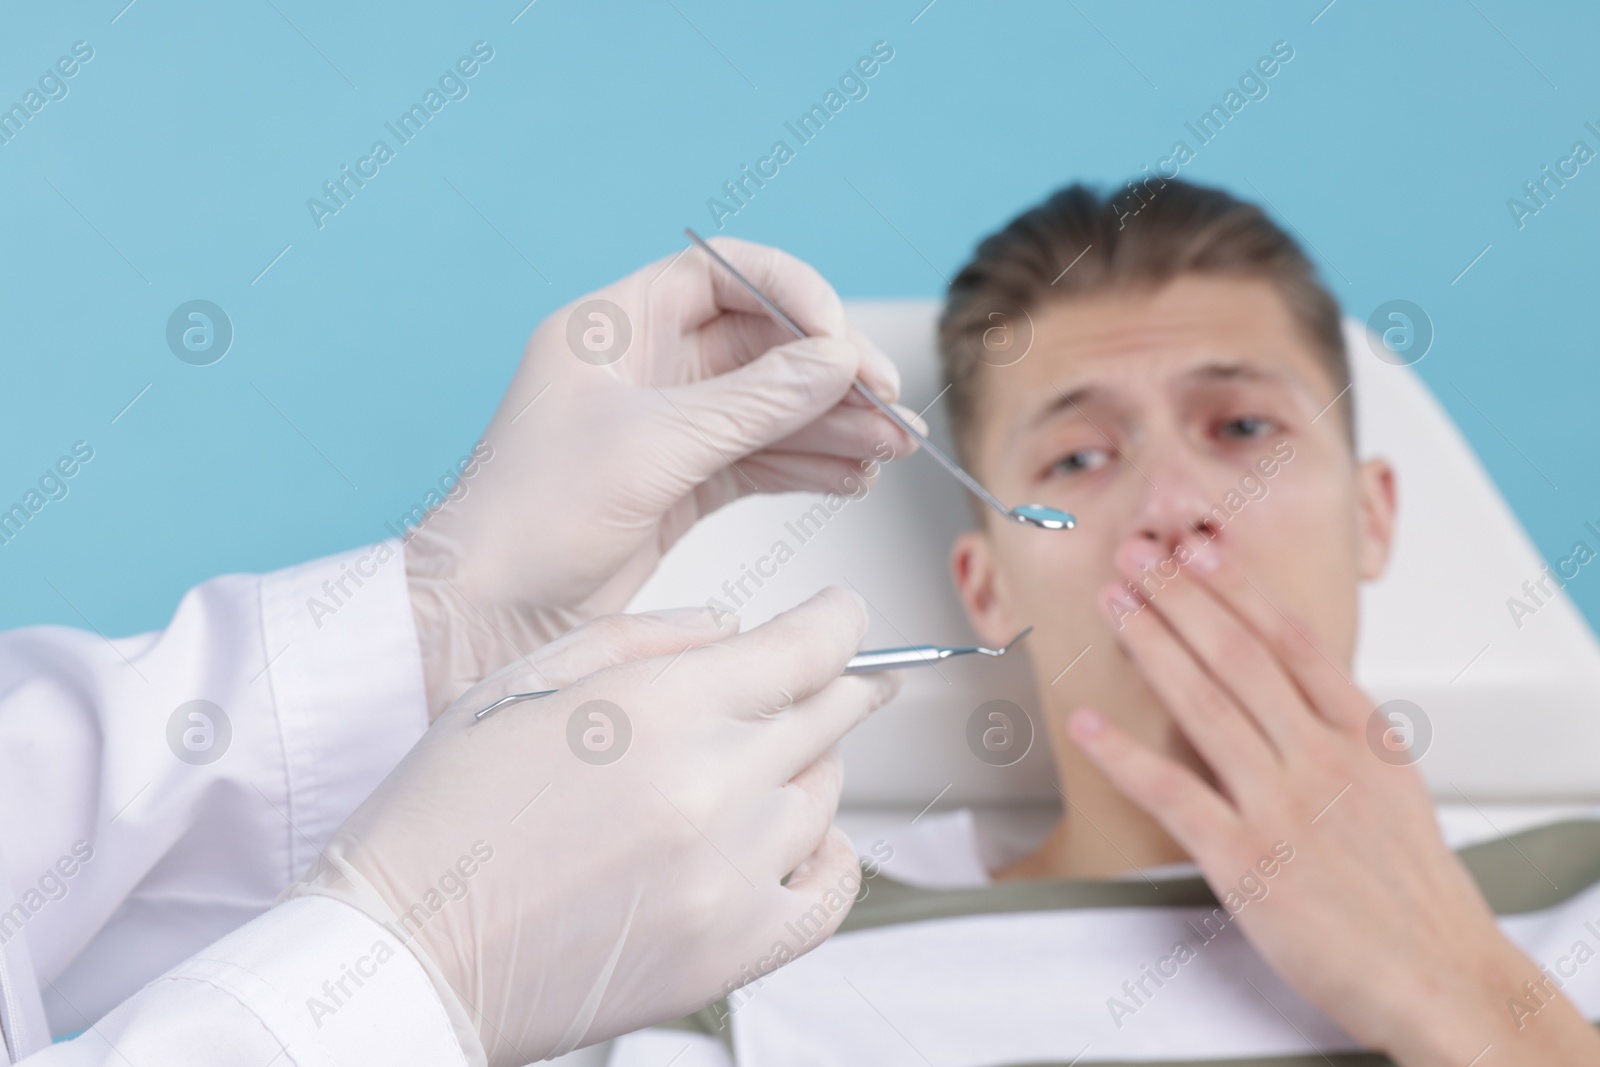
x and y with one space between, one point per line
579 866
627 422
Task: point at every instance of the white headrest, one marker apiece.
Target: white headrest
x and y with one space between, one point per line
1514 711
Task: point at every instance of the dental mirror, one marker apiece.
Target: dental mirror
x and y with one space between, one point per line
1040 515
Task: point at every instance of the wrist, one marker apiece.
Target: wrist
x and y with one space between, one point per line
1503 1011
464 634
334 878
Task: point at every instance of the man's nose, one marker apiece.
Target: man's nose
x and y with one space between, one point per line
1174 505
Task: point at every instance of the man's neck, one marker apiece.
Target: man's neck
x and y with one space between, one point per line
1101 833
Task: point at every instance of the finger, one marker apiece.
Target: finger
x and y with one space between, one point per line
1226 645
810 801
1225 737
1327 688
823 889
681 293
764 401
810 727
780 469
783 661
771 472
1188 809
855 432
601 643
706 289
613 639
878 371
784 472
735 338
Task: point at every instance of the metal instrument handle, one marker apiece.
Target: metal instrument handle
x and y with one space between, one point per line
888 659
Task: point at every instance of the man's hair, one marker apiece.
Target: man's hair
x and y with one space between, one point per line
1080 242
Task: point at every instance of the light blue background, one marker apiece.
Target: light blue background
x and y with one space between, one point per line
179 165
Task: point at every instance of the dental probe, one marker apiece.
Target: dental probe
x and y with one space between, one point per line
869 662
890 659
1040 515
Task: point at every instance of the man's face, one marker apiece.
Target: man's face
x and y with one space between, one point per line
1153 416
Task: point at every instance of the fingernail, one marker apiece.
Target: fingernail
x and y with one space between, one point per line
1137 556
860 601
873 378
1203 557
912 417
698 618
889 683
1085 724
878 371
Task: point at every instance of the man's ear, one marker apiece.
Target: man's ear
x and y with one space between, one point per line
1375 490
979 584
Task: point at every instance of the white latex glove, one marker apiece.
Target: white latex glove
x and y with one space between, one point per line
623 426
558 900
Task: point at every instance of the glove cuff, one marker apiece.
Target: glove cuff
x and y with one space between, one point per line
334 876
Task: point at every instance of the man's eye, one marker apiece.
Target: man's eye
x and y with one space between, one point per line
1085 459
1247 427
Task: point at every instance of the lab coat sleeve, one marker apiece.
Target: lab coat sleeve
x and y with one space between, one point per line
311 983
159 791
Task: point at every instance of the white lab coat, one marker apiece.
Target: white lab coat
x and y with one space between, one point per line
122 864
